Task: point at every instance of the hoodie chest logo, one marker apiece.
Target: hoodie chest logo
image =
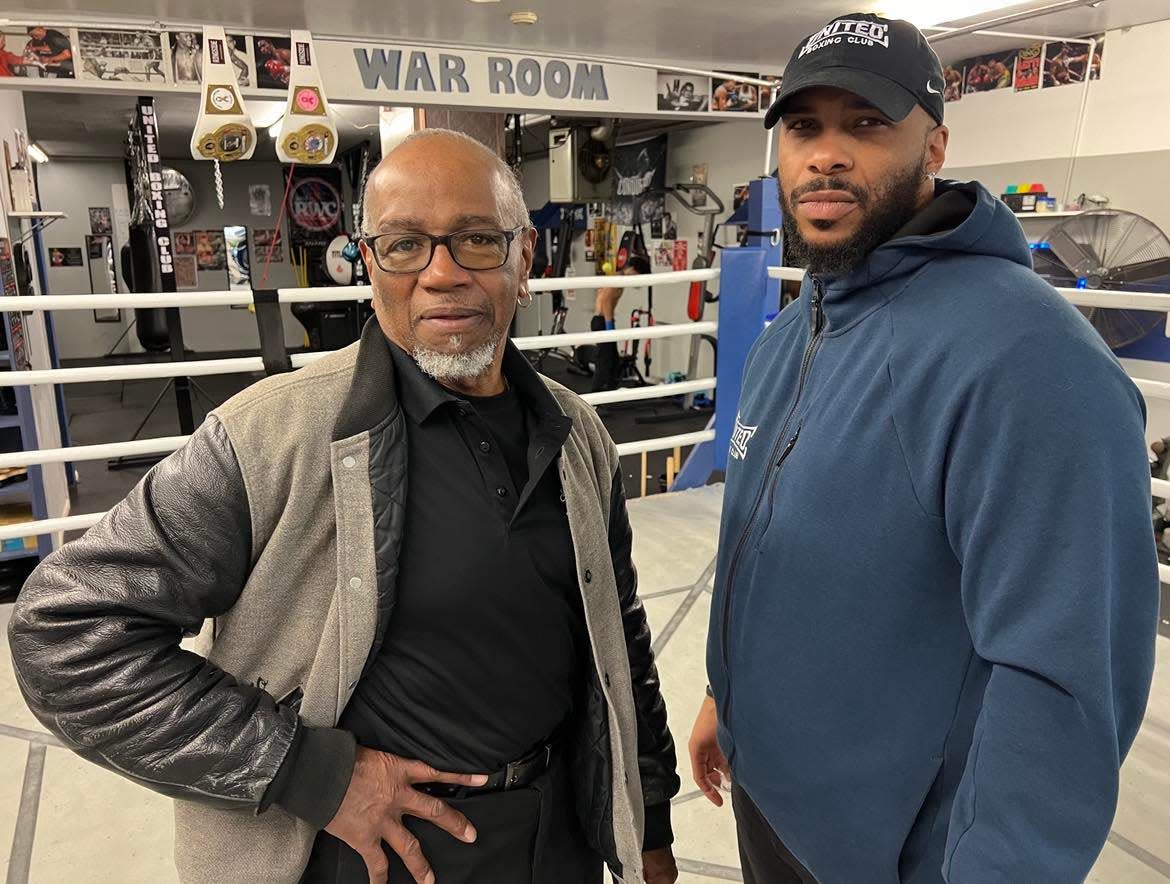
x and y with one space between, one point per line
740 437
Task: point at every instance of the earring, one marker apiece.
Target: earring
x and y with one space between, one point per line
524 298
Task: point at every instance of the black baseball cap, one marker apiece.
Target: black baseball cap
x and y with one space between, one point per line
885 61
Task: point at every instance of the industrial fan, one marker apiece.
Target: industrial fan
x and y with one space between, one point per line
1109 249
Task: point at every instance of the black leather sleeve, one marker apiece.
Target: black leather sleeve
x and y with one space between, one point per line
656 753
95 636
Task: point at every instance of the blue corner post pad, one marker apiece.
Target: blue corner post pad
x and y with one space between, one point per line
748 300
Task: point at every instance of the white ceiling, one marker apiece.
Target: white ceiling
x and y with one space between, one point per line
746 34
68 124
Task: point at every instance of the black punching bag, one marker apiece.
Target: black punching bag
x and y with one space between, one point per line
138 263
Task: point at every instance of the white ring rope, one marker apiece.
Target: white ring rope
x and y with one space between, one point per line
254 364
129 300
204 367
88 520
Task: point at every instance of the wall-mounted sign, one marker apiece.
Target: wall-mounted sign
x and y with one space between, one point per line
362 72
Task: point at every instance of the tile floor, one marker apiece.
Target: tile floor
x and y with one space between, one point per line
64 820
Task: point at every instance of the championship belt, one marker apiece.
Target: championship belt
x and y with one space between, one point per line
308 135
223 131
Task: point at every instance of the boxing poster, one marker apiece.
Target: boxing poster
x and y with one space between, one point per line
730 95
273 62
680 254
1029 63
1066 63
639 168
986 73
316 216
35 52
187 57
953 78
210 250
683 92
127 56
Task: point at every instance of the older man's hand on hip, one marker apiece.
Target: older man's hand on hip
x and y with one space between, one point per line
659 867
381 792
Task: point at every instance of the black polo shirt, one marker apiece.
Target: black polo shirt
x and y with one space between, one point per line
484 651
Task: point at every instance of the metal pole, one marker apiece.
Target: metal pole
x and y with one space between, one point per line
1012 18
1080 126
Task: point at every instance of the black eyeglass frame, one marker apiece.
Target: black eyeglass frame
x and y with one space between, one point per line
444 240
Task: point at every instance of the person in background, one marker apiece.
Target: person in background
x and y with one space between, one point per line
605 373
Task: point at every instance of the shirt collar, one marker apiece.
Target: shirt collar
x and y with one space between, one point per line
421 395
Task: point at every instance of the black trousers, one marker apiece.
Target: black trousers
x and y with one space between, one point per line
762 855
526 836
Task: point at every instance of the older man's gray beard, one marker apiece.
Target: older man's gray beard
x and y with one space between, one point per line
458 366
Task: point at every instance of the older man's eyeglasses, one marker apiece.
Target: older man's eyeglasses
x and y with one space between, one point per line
413 252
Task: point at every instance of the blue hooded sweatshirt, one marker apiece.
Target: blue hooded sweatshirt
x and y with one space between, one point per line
932 636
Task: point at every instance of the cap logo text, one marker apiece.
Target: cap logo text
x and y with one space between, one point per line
848 30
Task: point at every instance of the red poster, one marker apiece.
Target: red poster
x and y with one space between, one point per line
680 254
1029 63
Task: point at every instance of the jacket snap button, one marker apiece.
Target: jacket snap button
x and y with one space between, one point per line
502 491
348 462
588 576
355 583
485 447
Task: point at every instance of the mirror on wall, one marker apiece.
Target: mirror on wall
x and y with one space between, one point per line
239 267
102 277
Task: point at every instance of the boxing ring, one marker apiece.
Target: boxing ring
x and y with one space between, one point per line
675 537
263 302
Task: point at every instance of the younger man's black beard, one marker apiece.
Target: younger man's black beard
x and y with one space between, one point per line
884 214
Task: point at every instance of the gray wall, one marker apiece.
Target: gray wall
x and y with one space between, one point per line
1134 182
73 186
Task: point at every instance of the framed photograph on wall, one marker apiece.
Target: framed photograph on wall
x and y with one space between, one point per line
186 272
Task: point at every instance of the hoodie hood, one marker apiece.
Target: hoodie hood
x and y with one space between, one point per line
989 229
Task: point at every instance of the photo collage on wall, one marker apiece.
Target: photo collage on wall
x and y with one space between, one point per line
130 56
692 94
1037 66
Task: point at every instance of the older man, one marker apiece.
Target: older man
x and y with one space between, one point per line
429 661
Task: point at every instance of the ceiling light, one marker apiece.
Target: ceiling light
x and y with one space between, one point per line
524 18
274 129
925 13
37 154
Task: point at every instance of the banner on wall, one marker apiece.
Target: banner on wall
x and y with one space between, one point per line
316 215
639 168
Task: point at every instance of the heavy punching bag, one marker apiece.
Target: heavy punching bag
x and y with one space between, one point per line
138 270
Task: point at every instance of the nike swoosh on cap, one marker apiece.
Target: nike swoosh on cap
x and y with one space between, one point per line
930 88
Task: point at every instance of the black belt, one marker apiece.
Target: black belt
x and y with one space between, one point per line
516 775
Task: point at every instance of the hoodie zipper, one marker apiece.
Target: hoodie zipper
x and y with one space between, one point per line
776 460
